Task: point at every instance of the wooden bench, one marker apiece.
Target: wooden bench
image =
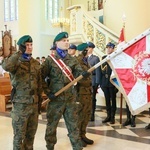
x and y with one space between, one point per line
5 90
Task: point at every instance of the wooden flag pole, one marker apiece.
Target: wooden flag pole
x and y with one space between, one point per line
120 49
76 80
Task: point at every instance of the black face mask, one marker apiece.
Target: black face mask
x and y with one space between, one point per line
84 52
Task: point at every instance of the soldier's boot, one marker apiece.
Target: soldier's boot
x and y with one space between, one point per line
93 110
112 120
92 117
128 121
84 144
87 140
148 126
50 147
133 121
108 118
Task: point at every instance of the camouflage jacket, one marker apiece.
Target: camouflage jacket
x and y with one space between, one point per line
85 84
57 78
25 78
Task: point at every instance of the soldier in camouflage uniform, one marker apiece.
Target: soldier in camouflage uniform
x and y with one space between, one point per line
26 82
84 95
63 104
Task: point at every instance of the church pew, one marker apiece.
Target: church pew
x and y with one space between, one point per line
5 90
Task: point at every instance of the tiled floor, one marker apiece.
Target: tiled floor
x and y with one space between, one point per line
105 136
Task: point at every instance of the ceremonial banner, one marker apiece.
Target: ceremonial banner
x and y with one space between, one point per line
131 67
122 38
121 42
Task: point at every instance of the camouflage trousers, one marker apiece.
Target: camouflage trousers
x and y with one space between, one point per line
55 110
24 123
84 112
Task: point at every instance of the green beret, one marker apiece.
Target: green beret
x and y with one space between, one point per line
24 39
60 36
82 46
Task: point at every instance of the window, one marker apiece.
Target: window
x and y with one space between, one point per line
10 10
52 9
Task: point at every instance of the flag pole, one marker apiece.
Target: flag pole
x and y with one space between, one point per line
121 100
76 80
122 39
